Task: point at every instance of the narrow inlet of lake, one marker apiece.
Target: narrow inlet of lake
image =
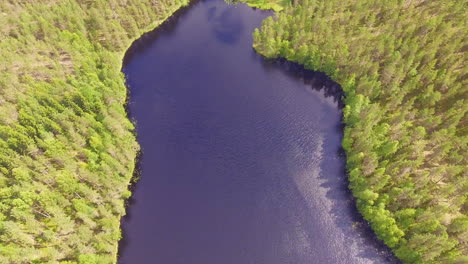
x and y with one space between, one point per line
241 160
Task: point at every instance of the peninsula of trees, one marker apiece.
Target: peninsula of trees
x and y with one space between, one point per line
402 65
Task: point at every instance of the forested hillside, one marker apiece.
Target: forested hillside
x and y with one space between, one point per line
67 150
402 65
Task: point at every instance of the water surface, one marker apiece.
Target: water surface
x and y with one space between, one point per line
241 158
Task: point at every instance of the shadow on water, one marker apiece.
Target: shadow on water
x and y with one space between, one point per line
334 181
347 216
315 80
165 28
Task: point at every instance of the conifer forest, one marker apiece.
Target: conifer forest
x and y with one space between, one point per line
68 149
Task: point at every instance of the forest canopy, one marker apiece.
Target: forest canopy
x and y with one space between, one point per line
402 65
67 149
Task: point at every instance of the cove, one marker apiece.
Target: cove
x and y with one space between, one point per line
241 159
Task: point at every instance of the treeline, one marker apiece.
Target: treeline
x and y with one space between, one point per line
67 150
402 65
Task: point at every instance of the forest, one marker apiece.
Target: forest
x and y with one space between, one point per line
67 149
402 66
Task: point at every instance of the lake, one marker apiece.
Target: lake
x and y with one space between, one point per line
241 158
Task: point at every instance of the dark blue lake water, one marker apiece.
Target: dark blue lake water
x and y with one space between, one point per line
241 160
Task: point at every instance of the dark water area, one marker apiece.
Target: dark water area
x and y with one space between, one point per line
241 160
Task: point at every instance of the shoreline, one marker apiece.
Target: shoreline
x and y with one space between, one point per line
292 67
149 33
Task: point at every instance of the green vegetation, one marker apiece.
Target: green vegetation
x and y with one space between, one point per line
67 150
402 65
276 5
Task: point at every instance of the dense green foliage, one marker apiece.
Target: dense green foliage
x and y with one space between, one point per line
276 5
402 65
67 150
